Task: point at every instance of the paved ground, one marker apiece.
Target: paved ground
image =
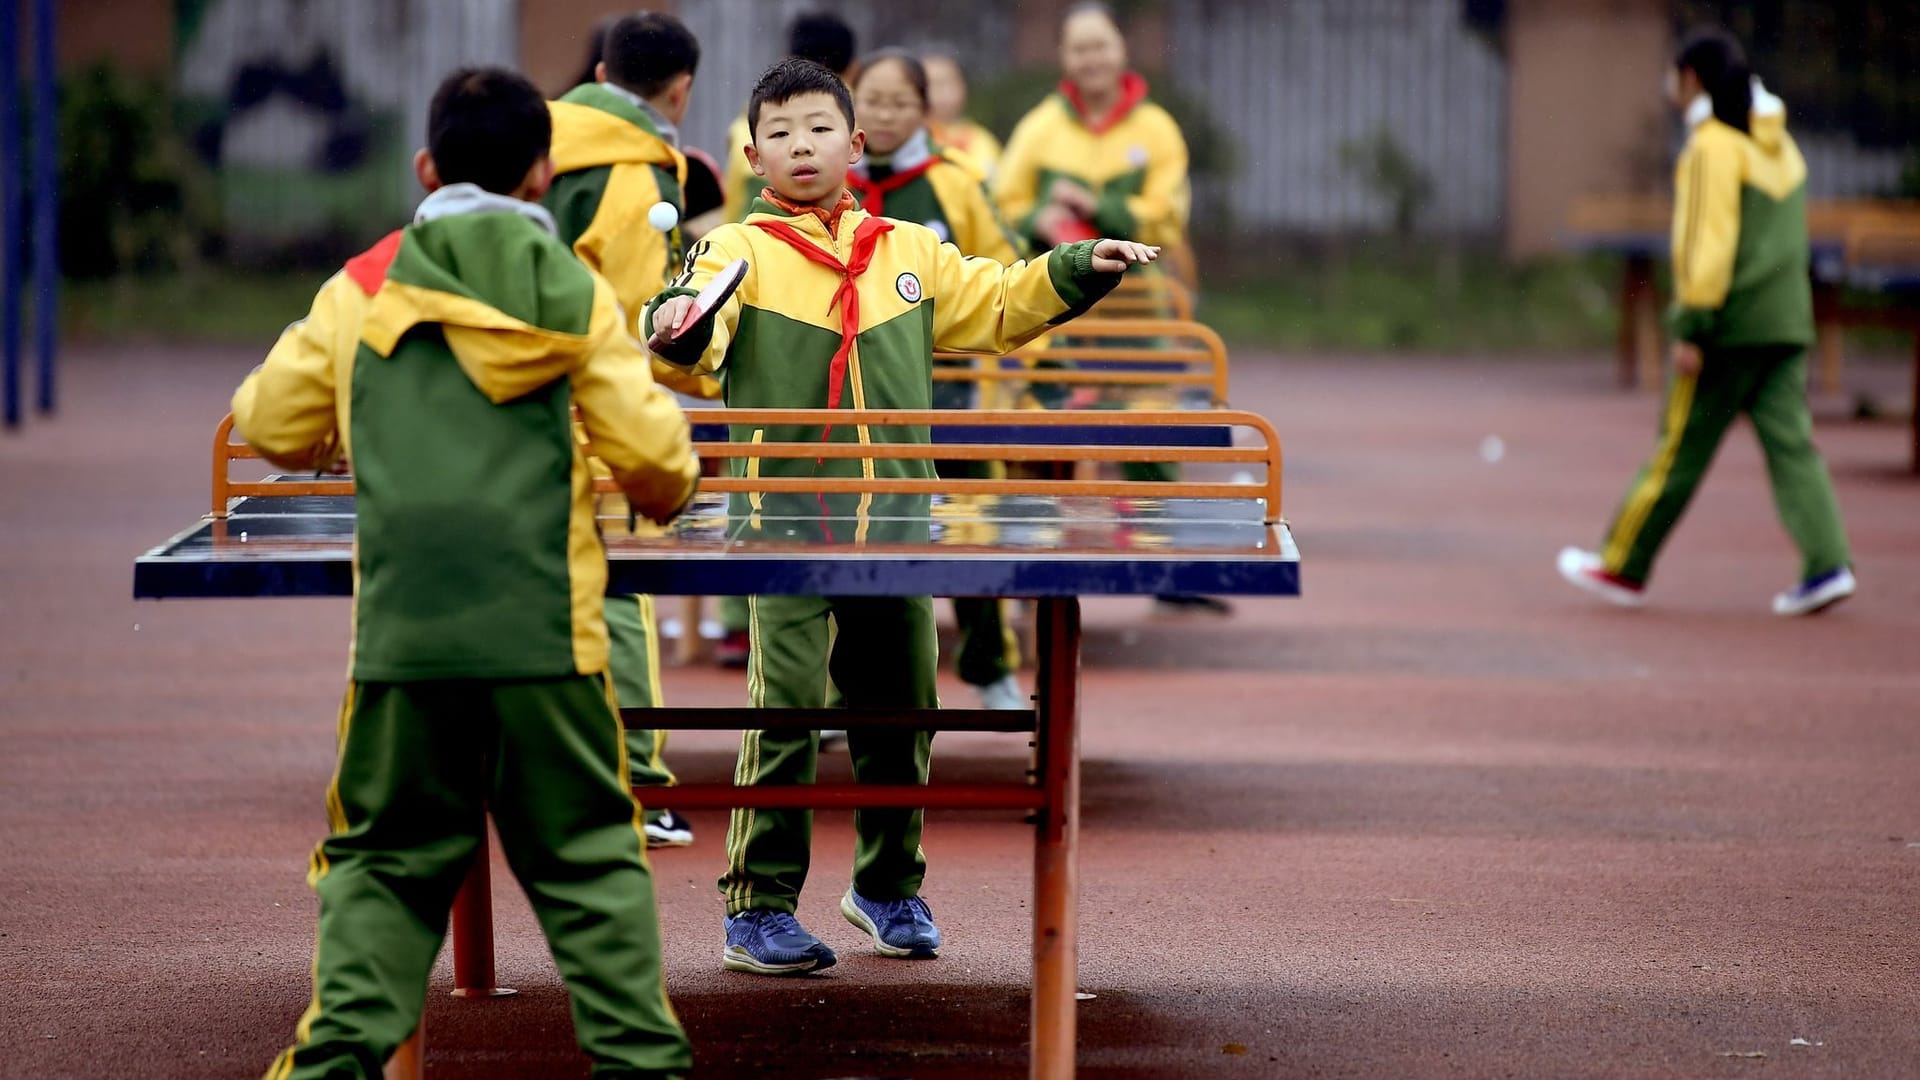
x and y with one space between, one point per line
1439 817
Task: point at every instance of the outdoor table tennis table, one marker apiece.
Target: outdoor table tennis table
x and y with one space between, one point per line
293 536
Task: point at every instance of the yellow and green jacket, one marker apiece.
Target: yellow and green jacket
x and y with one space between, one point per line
775 341
446 363
929 185
1740 258
743 186
611 165
1133 160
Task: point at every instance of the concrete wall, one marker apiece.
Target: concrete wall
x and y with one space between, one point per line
1585 111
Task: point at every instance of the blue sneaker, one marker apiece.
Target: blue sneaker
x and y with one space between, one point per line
900 928
1816 594
768 942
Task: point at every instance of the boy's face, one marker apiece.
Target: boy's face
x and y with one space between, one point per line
802 148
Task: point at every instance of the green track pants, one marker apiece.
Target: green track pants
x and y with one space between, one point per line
1770 386
420 766
634 664
877 652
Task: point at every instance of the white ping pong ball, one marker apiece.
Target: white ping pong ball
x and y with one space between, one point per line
663 216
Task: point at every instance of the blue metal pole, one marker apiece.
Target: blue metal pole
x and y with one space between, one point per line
12 172
46 205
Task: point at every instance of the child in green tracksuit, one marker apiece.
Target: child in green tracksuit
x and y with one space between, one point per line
1742 320
840 309
615 159
445 364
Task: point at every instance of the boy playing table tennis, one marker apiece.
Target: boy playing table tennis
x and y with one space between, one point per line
446 362
840 309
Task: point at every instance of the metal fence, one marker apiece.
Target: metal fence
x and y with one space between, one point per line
1324 94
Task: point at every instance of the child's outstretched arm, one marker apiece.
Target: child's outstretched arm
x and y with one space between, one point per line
633 425
703 349
982 306
286 408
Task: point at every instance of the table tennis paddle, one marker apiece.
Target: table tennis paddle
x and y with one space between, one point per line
705 303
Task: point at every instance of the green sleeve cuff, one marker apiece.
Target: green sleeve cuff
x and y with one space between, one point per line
1070 267
1691 324
688 350
1111 215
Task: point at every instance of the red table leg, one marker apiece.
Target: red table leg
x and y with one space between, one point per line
473 929
1056 867
410 1061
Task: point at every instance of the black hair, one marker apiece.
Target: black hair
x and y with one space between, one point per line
487 126
646 51
790 78
596 44
1715 57
822 37
1089 7
909 63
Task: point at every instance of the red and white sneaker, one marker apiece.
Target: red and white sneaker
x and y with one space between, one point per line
1584 570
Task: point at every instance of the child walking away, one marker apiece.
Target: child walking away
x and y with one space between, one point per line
905 175
1741 321
841 309
445 363
616 200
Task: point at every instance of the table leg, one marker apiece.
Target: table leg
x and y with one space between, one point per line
691 646
1056 842
1913 415
1829 335
1637 343
410 1061
473 928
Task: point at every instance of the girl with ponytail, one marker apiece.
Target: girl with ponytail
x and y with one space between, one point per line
1741 322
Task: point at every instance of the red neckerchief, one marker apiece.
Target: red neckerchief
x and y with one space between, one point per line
873 193
829 218
1133 91
865 238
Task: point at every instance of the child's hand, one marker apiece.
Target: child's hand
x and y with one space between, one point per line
665 318
1114 256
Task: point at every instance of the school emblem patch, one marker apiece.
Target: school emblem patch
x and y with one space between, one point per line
908 286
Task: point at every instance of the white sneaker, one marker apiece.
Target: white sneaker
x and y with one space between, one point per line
1585 571
1003 694
1815 595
